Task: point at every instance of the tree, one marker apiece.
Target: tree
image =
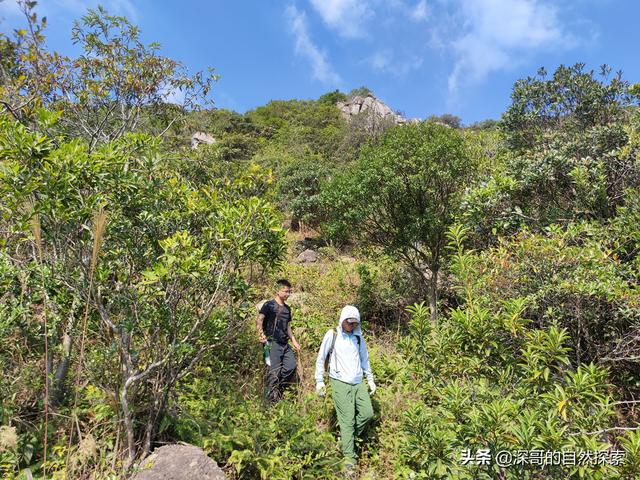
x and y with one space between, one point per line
567 136
297 129
332 98
568 154
569 102
510 382
359 92
403 194
104 91
300 186
158 284
448 119
489 124
29 74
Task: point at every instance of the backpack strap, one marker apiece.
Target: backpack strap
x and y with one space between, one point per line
333 344
359 352
275 319
327 359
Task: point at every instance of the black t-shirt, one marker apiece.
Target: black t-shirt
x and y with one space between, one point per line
276 321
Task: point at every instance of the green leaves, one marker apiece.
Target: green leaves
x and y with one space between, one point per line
571 99
172 268
284 442
104 90
491 378
403 194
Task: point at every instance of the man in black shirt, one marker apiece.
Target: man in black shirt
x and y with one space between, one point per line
274 328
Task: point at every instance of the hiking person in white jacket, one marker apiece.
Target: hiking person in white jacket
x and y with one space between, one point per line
347 360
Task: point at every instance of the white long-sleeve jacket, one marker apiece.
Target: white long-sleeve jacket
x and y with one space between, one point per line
348 361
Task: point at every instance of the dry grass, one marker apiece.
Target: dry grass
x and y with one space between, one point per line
8 439
99 226
36 229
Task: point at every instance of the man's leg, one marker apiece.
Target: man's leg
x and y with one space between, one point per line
288 367
364 408
273 378
344 400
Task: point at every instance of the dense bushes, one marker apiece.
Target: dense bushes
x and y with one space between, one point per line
130 268
401 196
575 277
120 272
570 154
489 378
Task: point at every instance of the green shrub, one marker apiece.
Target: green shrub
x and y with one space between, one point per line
490 379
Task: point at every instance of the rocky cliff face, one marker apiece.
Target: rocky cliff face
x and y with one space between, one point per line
374 109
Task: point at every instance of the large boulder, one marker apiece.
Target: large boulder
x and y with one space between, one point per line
179 462
308 256
201 137
375 109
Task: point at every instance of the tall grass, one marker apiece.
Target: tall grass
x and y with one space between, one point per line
98 230
36 230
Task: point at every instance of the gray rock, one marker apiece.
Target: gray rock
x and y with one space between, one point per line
179 462
376 110
308 256
201 137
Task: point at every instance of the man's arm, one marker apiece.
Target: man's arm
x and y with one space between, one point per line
296 345
259 321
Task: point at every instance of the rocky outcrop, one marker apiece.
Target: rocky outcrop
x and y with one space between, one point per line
201 137
374 109
308 256
179 462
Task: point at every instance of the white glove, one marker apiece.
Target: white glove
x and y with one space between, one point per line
372 387
320 390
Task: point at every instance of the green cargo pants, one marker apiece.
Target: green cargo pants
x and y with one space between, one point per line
354 411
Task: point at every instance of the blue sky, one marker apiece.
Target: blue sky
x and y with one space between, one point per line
421 57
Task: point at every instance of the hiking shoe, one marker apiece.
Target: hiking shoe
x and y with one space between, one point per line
349 469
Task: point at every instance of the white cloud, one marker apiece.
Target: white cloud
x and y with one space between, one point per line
436 39
499 33
420 12
347 17
125 6
320 66
380 60
9 8
386 61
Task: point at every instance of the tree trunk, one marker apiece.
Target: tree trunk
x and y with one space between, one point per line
433 295
57 394
156 409
128 425
150 427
